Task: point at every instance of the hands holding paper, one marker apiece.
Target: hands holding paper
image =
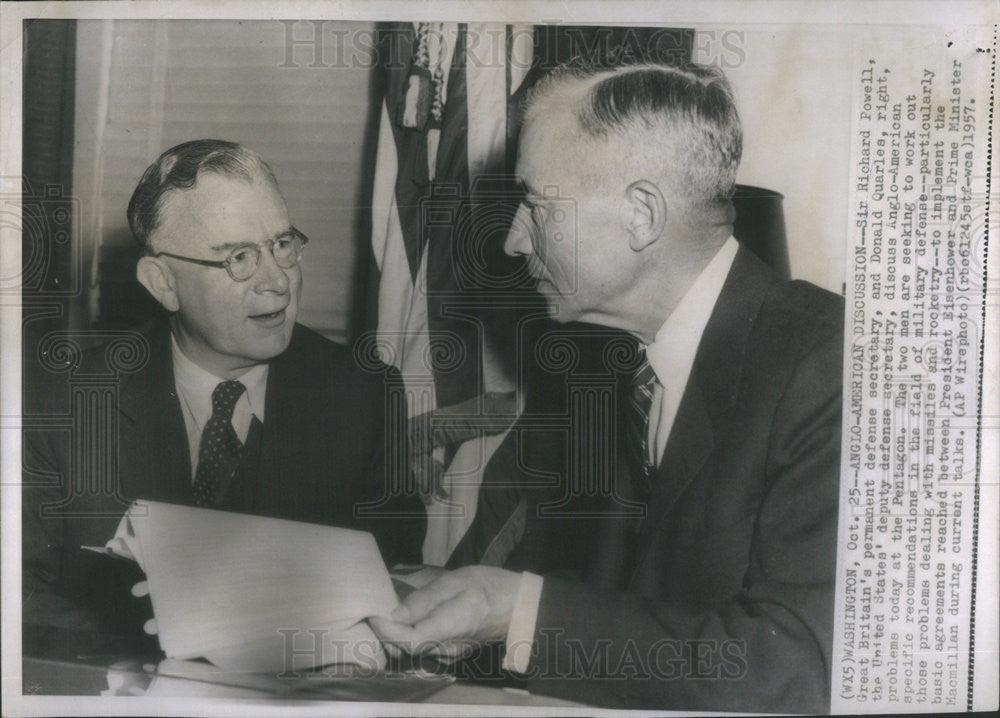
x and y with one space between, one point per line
452 614
139 590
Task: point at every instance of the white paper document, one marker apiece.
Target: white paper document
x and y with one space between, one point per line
251 593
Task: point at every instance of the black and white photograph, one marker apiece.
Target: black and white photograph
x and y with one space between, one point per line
487 359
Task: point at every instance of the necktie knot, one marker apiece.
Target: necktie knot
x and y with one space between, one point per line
644 376
224 398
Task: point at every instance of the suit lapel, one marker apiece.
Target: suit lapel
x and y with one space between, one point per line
287 392
153 440
291 385
711 389
691 441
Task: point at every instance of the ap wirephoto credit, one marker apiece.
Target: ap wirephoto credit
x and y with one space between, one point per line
479 359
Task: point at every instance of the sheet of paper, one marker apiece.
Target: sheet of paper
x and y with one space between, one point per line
255 593
194 679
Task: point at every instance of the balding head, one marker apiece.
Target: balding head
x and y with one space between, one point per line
178 169
665 123
628 176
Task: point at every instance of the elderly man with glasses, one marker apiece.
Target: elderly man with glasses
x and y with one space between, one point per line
229 403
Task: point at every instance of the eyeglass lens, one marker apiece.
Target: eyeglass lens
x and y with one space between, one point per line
243 261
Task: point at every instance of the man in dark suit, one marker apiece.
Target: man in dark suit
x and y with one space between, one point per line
227 403
707 581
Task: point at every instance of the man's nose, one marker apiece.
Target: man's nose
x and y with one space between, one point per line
270 277
518 240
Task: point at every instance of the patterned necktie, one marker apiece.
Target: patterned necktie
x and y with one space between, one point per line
219 451
637 424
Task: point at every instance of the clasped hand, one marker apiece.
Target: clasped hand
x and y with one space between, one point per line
452 615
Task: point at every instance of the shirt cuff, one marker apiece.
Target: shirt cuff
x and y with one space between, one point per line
521 629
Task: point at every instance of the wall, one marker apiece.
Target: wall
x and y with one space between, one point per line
796 130
144 86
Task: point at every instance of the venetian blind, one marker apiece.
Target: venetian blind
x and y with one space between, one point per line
144 86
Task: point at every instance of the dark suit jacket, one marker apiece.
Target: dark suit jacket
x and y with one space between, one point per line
722 598
108 429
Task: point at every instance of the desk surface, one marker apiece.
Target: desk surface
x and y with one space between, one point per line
62 662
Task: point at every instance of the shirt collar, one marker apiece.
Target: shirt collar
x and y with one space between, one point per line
197 384
674 347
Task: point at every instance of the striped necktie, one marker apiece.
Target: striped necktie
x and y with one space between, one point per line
219 450
637 425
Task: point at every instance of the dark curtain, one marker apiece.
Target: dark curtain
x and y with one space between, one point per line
47 154
52 280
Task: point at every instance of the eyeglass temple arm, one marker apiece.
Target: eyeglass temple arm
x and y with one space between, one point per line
203 262
223 264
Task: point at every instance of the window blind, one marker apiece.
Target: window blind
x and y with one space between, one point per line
167 82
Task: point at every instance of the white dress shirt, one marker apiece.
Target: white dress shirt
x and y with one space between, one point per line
194 390
671 355
674 347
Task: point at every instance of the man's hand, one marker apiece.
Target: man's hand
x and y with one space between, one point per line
453 614
139 590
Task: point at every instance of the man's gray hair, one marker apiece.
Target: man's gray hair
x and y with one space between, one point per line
690 110
178 169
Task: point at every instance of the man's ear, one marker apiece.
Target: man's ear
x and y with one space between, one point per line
646 213
157 278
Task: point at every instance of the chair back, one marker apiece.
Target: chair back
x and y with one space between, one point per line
760 226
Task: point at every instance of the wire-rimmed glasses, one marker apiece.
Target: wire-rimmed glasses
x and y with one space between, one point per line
241 263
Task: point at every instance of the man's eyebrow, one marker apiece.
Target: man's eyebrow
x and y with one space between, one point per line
234 245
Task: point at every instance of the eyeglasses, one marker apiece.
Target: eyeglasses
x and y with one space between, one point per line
242 262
